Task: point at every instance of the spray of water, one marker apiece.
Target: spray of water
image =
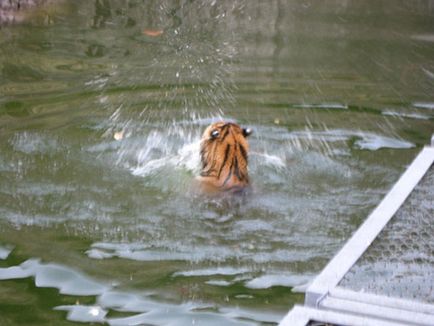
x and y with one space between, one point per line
183 64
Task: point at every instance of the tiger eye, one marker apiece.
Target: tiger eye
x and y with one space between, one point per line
214 134
247 132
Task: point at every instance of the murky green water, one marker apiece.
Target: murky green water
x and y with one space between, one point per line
102 104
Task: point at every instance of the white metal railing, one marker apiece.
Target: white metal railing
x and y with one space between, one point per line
326 302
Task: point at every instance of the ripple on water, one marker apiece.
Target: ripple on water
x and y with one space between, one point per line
84 314
146 311
156 154
261 233
66 280
161 251
282 279
323 106
173 150
246 276
226 271
424 105
406 115
364 140
222 283
143 309
34 143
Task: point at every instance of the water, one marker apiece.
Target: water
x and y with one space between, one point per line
101 110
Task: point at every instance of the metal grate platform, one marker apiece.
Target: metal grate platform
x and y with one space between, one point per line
400 262
384 275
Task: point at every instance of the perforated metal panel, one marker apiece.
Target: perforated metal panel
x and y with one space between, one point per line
384 275
400 261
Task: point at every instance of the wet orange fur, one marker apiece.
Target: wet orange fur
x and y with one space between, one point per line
223 151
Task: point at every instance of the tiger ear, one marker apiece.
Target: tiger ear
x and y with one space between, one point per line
247 132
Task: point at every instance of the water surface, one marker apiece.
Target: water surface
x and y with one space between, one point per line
101 110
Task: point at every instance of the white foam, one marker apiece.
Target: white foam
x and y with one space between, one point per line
162 252
5 251
65 279
31 143
302 288
187 157
323 106
98 254
365 140
424 105
124 301
406 115
218 283
14 272
156 313
119 245
244 296
255 315
374 142
84 314
144 309
213 271
268 281
424 37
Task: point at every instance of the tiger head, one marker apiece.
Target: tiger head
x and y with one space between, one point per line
223 152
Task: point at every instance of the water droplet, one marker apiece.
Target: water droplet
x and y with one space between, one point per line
118 135
94 311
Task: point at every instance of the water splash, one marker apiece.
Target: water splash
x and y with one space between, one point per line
35 143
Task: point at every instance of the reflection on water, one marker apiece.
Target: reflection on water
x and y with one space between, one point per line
101 113
143 309
51 275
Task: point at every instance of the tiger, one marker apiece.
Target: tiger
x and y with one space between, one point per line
224 156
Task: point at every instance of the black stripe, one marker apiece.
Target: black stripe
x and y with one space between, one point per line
202 151
237 169
243 152
206 173
202 157
226 128
210 154
228 148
